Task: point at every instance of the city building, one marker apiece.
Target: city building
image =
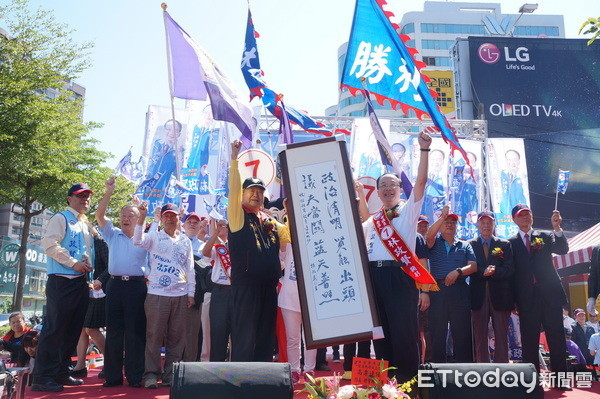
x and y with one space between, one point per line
434 31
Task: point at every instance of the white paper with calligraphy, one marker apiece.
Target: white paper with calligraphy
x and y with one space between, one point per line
332 273
329 248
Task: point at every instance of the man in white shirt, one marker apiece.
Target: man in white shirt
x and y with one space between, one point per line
396 292
171 285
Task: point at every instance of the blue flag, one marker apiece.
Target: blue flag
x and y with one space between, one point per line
377 54
254 77
563 181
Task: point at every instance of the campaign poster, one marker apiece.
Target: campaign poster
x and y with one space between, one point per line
508 181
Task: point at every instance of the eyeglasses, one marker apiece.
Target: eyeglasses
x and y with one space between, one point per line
83 195
384 186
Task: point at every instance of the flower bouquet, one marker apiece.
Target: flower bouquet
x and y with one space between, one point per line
329 388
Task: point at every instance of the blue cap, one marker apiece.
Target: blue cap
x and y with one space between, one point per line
518 208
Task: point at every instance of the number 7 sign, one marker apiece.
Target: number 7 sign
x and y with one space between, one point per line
256 163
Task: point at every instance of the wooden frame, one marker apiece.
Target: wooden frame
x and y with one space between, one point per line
332 267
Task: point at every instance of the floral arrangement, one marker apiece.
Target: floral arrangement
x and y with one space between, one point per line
537 243
498 253
329 388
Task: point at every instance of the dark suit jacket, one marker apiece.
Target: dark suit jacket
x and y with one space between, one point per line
500 283
538 263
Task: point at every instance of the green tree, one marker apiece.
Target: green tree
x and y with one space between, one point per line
591 25
44 144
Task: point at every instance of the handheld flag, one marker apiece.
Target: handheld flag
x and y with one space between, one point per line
377 53
385 151
254 77
124 163
563 181
561 185
193 75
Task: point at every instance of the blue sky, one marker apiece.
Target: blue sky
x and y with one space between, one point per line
298 50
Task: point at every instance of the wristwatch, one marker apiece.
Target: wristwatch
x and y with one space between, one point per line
459 270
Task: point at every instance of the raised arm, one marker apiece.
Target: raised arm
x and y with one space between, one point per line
235 213
435 228
421 181
103 204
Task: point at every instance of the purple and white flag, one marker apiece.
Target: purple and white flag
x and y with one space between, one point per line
194 74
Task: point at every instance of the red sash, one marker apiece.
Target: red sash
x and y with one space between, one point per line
396 246
223 253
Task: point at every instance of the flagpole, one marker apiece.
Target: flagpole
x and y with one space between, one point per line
556 200
170 71
337 112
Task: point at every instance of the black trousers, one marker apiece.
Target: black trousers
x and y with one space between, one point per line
125 330
364 351
221 317
254 316
66 306
451 305
397 306
548 316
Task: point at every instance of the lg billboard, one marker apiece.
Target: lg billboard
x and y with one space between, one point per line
546 91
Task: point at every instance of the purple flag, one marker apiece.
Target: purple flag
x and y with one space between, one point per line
192 66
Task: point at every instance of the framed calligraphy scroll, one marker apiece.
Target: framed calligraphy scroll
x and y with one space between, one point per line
336 298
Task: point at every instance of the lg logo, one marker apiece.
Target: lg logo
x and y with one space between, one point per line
490 54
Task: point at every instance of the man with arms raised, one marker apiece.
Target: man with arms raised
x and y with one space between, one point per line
451 260
538 292
396 293
254 239
125 295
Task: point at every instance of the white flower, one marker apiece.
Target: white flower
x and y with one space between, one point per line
346 392
390 391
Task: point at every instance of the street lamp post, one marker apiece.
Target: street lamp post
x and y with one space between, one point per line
526 8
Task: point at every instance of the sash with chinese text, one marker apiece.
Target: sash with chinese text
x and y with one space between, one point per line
396 246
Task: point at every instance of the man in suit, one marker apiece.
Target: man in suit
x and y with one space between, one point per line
491 291
538 292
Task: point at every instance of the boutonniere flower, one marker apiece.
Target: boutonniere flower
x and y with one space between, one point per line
498 253
537 243
269 225
392 213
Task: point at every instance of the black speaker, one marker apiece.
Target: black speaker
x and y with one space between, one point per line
235 380
479 380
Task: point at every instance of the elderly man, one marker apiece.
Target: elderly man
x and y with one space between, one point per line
171 287
538 292
125 295
451 260
396 293
69 244
254 239
491 290
191 227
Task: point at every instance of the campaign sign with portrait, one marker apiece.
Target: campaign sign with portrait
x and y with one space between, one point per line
507 176
328 244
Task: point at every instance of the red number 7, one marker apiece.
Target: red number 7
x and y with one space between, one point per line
370 190
255 163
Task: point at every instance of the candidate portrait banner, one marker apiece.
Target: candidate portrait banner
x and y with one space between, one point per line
507 179
165 144
437 189
465 188
328 244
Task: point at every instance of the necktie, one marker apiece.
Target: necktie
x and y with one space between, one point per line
527 243
486 249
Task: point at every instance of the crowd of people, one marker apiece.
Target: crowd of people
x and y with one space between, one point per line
207 290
